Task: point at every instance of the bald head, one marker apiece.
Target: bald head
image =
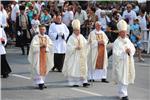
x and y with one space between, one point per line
129 7
97 25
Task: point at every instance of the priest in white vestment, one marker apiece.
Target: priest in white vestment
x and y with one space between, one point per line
123 61
75 64
40 57
97 56
58 33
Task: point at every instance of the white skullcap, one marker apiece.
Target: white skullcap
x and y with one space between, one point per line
76 24
122 25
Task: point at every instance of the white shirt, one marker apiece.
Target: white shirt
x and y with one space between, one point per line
38 6
5 13
98 12
15 10
68 17
3 19
35 25
2 35
59 44
130 15
104 21
81 17
142 22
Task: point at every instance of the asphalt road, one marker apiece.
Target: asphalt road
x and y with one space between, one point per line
19 85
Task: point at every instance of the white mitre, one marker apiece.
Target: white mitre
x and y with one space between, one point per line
76 24
122 25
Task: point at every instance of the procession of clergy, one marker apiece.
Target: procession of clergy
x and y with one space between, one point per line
81 60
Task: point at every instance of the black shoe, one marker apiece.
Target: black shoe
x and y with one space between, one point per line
59 71
104 81
125 98
75 86
53 69
86 84
41 86
5 76
44 86
92 80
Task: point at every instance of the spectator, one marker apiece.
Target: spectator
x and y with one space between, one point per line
35 25
129 14
136 37
81 15
23 34
104 20
46 19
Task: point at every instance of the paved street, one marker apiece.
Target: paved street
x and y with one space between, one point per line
19 85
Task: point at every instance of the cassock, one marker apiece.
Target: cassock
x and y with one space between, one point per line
5 69
58 32
41 59
75 64
97 56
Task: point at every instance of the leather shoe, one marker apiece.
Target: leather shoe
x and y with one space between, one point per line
75 86
125 98
86 84
104 81
41 86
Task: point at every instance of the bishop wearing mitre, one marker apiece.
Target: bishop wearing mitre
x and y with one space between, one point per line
75 65
123 61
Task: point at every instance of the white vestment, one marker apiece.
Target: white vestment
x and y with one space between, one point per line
94 73
75 64
123 63
58 30
2 35
34 58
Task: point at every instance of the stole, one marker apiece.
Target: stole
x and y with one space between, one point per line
43 68
101 52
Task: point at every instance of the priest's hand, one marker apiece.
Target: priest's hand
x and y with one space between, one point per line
78 47
128 51
2 40
43 46
101 42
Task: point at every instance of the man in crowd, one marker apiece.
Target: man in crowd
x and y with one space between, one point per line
129 14
23 35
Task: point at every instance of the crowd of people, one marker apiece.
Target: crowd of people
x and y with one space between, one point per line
72 37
